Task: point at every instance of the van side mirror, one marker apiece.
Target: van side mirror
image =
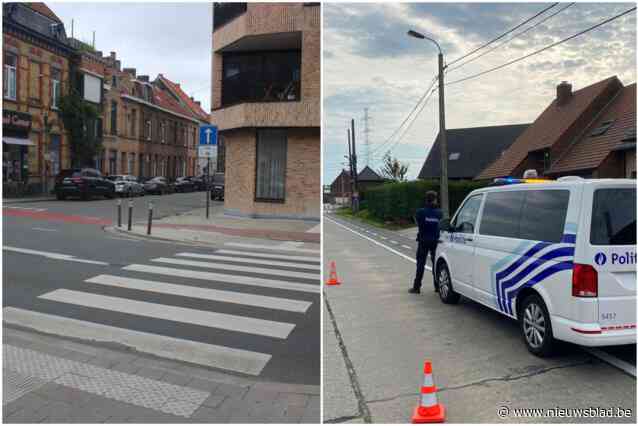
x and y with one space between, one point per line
444 225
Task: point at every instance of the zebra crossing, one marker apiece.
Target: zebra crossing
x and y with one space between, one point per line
228 295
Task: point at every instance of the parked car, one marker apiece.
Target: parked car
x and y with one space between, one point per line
217 186
184 184
127 185
82 182
157 185
198 182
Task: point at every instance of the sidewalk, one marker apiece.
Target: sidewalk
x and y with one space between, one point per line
194 227
35 199
54 380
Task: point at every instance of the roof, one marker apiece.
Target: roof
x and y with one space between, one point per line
345 174
164 100
196 109
476 148
588 152
548 128
43 9
369 175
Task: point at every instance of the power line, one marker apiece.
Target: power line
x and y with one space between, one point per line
406 118
542 49
548 17
502 35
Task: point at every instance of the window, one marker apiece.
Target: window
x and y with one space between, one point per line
133 122
455 156
113 117
501 214
613 221
147 93
602 129
221 155
34 80
543 215
163 132
131 163
92 89
465 220
149 127
10 79
261 77
114 80
55 87
271 165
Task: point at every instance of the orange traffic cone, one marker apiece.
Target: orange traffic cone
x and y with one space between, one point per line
429 410
333 280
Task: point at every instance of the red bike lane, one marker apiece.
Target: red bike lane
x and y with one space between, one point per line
54 217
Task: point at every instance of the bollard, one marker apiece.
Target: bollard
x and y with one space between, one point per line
150 218
208 192
119 213
130 214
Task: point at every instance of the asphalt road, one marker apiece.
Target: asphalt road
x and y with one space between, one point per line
377 337
258 306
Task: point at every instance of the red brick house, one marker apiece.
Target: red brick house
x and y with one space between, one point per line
589 132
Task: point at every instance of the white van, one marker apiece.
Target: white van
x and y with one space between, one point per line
558 256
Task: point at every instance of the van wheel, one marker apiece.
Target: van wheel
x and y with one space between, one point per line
536 326
446 293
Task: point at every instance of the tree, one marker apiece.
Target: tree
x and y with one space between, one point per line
80 119
392 169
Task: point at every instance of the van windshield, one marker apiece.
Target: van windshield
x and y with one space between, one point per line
614 217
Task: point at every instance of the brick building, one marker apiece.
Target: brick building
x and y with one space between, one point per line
589 132
36 63
266 104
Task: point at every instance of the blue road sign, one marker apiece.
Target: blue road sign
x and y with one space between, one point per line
208 135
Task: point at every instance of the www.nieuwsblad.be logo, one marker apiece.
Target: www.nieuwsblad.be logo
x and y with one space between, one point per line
600 259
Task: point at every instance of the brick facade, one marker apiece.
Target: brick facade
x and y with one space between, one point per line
239 123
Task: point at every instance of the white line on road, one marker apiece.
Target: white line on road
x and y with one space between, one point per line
270 256
384 238
275 248
232 279
238 259
408 258
242 324
393 242
50 255
612 360
214 356
203 293
46 229
34 209
404 246
237 268
124 239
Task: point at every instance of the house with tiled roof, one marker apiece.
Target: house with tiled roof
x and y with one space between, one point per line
586 132
470 150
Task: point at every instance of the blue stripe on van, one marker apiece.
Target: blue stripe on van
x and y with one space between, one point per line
561 266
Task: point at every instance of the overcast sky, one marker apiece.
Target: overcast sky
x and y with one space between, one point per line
370 62
169 38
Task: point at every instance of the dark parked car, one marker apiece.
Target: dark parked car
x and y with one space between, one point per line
198 182
157 185
184 184
217 186
82 182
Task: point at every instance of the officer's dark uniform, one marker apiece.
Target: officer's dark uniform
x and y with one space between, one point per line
427 219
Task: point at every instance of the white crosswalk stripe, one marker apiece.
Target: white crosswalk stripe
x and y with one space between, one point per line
248 260
233 295
237 268
274 248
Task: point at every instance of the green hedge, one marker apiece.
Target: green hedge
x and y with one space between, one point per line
398 202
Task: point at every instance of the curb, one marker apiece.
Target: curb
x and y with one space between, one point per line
23 200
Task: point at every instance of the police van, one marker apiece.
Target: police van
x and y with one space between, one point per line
558 256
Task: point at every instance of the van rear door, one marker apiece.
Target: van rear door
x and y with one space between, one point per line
611 250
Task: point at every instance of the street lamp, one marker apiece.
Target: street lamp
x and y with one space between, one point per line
442 133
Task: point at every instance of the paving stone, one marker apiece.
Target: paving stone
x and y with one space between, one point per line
210 415
100 361
62 393
25 415
176 379
294 399
293 413
214 401
126 367
258 395
78 356
202 384
56 412
231 390
150 373
31 401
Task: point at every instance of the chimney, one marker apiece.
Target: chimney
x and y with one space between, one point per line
563 93
198 103
143 78
131 71
98 53
113 56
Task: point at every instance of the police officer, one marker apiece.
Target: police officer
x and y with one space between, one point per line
427 219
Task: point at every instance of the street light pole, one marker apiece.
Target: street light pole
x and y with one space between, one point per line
442 132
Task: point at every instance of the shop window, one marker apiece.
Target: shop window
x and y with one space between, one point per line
271 165
9 83
55 88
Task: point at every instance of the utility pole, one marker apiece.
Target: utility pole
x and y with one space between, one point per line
350 165
355 193
445 206
366 132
